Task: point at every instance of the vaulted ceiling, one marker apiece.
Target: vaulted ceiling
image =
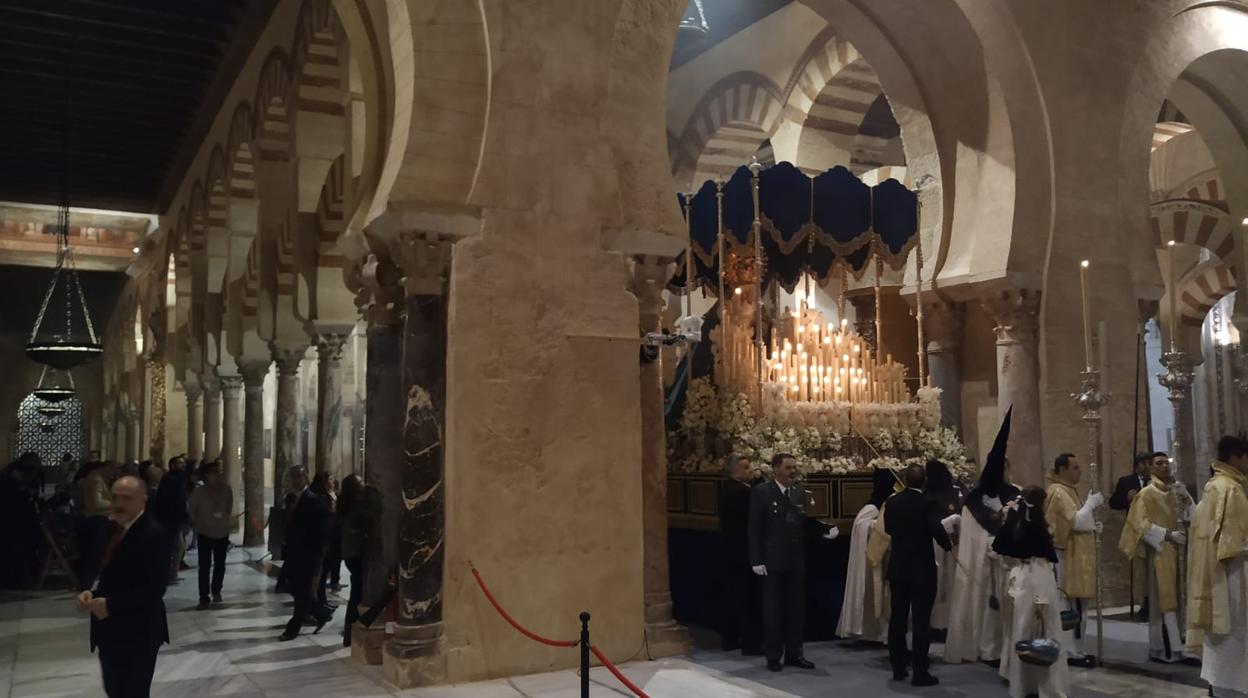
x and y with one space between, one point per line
105 99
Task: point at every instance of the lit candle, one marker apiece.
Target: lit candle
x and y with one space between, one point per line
1172 292
1087 320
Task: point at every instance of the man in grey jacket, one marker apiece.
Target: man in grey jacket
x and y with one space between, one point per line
212 505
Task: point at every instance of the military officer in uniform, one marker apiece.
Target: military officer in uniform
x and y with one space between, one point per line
778 528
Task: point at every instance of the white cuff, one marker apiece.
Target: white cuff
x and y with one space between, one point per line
1155 536
1084 521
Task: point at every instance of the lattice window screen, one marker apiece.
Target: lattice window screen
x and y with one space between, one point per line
50 436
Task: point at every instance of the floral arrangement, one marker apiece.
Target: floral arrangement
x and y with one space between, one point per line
825 437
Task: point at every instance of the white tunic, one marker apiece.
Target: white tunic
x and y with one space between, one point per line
1225 661
974 628
1032 587
859 616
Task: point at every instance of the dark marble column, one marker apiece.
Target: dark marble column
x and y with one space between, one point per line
194 421
329 456
253 451
942 323
286 420
665 636
384 455
212 418
231 433
864 317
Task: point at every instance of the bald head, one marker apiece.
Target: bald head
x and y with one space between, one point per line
129 499
916 477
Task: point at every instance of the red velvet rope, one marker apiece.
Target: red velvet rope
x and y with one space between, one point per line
555 643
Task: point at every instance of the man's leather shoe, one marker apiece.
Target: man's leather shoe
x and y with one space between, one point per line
1087 661
286 637
900 674
924 680
800 663
773 666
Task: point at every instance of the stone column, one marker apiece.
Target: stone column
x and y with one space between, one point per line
253 451
156 442
416 655
134 449
1018 378
942 324
864 317
212 418
194 421
286 421
383 454
329 404
666 638
231 432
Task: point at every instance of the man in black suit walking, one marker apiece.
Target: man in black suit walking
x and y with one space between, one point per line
306 534
913 523
778 529
126 599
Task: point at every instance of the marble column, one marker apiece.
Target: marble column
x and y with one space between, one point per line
134 449
329 456
253 451
231 433
286 420
212 418
942 324
1018 378
383 456
156 442
194 421
416 654
666 638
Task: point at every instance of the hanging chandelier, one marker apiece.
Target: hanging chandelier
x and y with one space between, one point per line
63 345
54 386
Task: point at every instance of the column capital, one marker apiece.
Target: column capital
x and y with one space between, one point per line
864 316
211 385
288 358
648 278
1015 312
424 260
193 390
382 282
253 373
231 386
942 322
329 347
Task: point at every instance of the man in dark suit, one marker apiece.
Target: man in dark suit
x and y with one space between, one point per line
306 533
913 523
740 614
126 599
1130 485
777 530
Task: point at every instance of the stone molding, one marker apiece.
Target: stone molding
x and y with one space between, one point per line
1015 312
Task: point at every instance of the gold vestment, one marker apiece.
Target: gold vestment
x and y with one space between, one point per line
1078 547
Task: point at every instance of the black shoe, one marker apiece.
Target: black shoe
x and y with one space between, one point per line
321 620
203 604
287 636
216 597
900 674
773 666
1087 661
800 663
924 680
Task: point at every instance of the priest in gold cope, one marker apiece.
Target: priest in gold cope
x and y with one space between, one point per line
1154 532
1073 525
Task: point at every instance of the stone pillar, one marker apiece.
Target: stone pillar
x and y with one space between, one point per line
864 317
666 638
231 432
212 418
286 421
417 654
253 451
194 421
942 325
1018 379
134 448
156 441
329 456
383 454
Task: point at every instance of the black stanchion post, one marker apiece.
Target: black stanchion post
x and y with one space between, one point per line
584 654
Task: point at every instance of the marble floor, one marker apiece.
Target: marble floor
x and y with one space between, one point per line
232 650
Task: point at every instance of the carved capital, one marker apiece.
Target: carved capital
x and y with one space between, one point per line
211 386
649 276
1015 313
329 348
864 314
942 323
253 374
288 359
425 262
382 282
231 387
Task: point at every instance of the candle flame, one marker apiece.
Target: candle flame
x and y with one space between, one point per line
1170 244
1084 264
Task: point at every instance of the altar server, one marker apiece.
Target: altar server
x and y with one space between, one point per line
864 612
975 622
1153 532
1031 602
943 496
1217 590
1073 526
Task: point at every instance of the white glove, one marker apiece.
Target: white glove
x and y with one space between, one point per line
1099 527
832 533
993 503
1096 500
951 522
760 570
1177 537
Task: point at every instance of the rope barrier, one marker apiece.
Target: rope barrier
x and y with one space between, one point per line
556 643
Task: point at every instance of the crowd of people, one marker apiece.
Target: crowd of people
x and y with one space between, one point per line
1005 576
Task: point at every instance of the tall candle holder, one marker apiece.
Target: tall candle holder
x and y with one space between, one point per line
1177 380
1090 399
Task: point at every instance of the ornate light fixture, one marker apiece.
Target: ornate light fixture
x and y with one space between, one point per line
63 346
55 387
693 22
